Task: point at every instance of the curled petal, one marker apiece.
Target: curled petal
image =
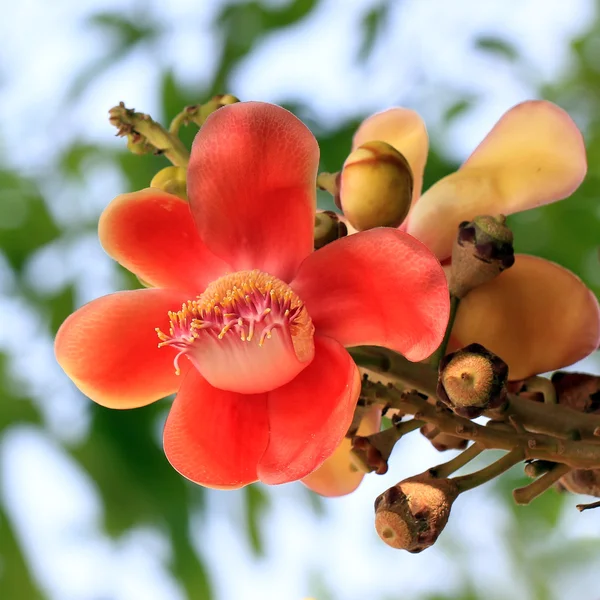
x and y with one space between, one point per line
252 187
403 129
110 351
537 316
336 476
534 155
380 287
309 416
152 234
214 437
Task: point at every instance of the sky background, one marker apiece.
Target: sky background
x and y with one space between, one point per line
423 58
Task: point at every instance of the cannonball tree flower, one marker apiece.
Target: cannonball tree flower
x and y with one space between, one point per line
537 316
242 320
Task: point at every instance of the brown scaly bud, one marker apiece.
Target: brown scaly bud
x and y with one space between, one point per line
366 457
412 514
472 380
375 186
328 228
442 441
537 468
482 250
582 481
579 391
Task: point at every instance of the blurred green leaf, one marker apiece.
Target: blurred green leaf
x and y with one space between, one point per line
497 46
126 34
25 222
372 24
256 503
243 25
16 580
138 485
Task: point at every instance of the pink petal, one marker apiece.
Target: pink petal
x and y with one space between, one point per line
534 155
152 234
537 316
403 129
109 348
213 437
309 416
380 287
252 187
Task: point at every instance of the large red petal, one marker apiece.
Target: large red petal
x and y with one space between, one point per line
379 287
109 348
213 437
252 187
309 416
153 234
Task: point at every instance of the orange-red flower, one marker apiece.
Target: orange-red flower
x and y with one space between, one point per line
251 323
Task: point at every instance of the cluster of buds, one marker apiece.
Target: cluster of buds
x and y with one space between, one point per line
376 188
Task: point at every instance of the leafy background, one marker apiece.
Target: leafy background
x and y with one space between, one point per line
89 508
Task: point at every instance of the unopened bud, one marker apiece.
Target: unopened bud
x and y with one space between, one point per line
579 391
582 481
472 380
412 514
138 144
328 228
537 468
375 188
442 441
482 250
171 180
216 102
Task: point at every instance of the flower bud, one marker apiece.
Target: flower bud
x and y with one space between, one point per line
171 180
328 228
579 391
472 380
375 187
442 441
138 144
412 514
482 250
582 481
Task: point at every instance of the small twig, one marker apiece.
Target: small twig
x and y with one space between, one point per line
446 469
437 356
582 507
524 495
472 480
129 122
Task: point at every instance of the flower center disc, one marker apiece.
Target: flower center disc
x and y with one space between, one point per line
248 332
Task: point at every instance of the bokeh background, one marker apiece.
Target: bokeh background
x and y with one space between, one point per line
89 507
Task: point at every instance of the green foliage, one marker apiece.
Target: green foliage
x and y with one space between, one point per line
372 24
497 47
